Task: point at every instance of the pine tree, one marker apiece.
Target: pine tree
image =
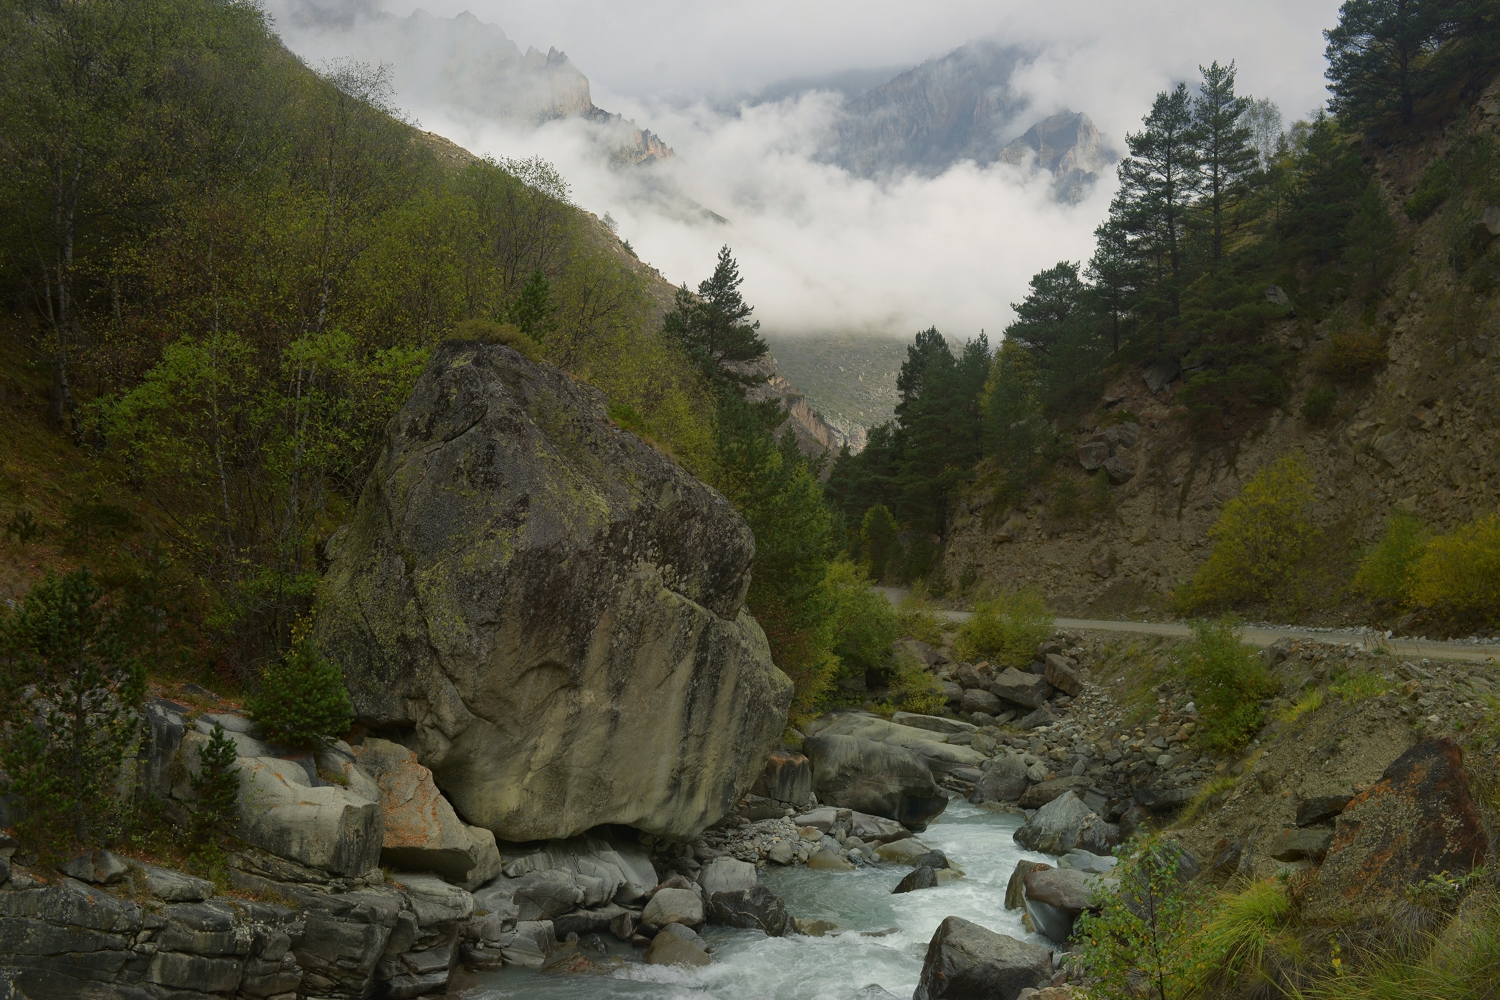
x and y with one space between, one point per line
218 786
1055 301
1157 183
1114 275
1378 59
531 312
1225 154
713 328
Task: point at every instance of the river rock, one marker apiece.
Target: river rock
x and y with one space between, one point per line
331 828
669 949
827 859
1417 820
921 877
904 852
1005 781
673 906
1015 889
755 908
727 875
422 832
1024 689
529 944
1055 897
933 747
687 934
980 700
1065 823
787 780
935 723
1043 792
552 609
968 962
880 778
602 869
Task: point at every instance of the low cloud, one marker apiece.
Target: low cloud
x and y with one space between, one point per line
821 250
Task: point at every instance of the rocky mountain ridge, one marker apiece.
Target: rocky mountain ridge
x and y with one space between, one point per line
469 65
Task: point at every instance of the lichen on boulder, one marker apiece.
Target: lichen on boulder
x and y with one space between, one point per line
549 611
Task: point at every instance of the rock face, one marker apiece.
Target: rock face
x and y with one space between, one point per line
1067 146
1417 820
327 827
552 609
968 962
879 778
422 832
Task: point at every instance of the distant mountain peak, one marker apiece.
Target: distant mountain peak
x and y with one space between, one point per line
1067 146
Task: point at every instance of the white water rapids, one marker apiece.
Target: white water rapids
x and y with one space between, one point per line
747 965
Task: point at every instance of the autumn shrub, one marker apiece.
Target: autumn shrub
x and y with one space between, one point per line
1387 571
1005 630
918 617
1261 540
1461 570
1351 355
302 701
911 687
1228 681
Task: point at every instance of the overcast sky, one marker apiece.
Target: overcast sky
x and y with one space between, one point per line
821 250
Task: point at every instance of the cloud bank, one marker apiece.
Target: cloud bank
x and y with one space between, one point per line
822 251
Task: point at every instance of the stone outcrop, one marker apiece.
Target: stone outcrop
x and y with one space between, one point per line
1066 823
880 778
552 609
1418 820
294 815
968 962
421 830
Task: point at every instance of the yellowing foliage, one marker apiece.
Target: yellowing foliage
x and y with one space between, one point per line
1261 539
1462 569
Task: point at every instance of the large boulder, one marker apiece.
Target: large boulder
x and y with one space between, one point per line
551 609
880 778
727 875
1054 897
602 870
786 779
1024 689
1066 823
1005 781
422 832
329 827
1418 820
968 962
755 908
940 755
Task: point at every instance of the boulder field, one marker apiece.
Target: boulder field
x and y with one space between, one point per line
550 611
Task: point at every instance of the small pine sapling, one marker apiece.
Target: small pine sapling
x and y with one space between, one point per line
302 702
218 786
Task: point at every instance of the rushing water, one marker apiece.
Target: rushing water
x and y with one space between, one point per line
750 966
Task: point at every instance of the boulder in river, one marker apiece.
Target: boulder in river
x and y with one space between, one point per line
755 908
968 962
551 608
881 778
1065 823
921 877
1056 896
1005 781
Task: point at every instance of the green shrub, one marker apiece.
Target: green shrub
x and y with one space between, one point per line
861 622
1358 685
1318 406
918 617
1261 540
218 786
63 663
1066 503
1432 190
1228 681
23 526
1387 571
1006 630
489 332
302 702
1139 943
1461 569
912 687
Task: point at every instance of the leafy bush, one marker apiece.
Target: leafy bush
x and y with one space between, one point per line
489 332
912 687
1351 355
1228 681
68 695
218 786
1144 928
917 617
1006 630
1318 406
1261 540
1432 190
1461 569
1388 570
302 702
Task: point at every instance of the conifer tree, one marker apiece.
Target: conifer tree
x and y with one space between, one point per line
714 328
1377 65
1224 149
1157 183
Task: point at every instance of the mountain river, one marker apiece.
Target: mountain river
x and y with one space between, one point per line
884 942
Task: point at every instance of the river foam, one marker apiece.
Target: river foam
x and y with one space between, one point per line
884 943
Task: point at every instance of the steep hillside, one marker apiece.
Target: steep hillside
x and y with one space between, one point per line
1414 431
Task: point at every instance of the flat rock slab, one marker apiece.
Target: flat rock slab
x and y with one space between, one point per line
1295 844
1067 889
1418 820
935 723
1019 688
1320 808
968 962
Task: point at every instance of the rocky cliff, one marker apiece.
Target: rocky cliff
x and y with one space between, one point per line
1065 145
466 64
550 612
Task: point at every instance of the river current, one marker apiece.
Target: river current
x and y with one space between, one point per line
884 942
